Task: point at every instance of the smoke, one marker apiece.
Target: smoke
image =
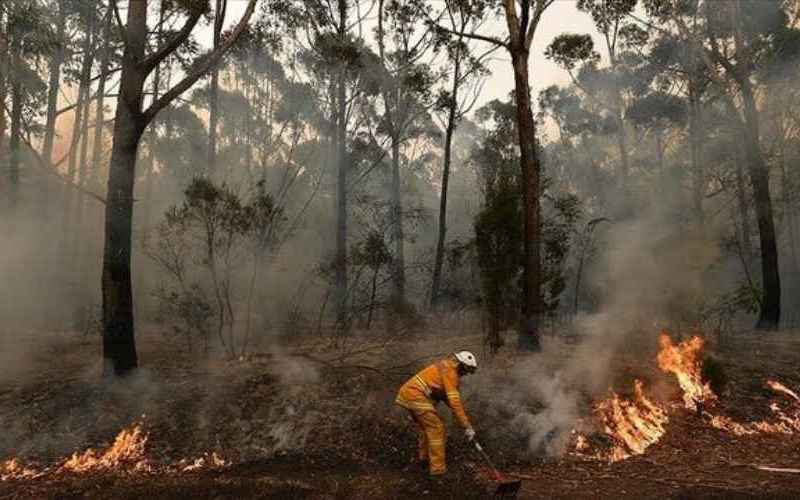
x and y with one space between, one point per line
651 276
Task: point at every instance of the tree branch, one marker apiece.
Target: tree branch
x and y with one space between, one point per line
473 36
201 67
172 45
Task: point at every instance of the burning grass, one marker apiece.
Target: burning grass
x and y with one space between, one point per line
127 454
634 424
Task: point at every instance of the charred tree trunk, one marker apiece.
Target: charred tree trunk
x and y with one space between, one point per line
119 347
769 317
531 308
448 153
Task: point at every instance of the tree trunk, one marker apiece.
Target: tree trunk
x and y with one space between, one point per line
769 316
119 347
341 199
16 122
99 112
531 308
696 147
744 215
56 60
397 231
448 146
213 104
3 80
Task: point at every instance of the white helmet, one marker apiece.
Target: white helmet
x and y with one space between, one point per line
466 358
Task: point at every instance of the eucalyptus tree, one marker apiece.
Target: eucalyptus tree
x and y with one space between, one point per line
731 37
130 121
522 19
28 38
456 98
343 72
406 90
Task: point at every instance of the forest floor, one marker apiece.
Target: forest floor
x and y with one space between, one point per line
315 419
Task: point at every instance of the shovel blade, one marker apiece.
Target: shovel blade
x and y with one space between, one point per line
507 488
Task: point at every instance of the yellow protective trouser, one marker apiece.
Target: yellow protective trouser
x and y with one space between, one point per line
431 435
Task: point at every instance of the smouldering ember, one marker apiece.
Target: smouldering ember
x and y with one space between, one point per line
127 454
635 424
207 461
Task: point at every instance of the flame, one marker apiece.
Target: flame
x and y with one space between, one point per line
684 360
207 461
633 424
786 420
126 454
127 451
14 470
778 387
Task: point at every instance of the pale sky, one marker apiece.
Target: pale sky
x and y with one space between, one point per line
561 17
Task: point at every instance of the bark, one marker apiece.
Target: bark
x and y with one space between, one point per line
16 122
769 316
56 60
399 266
531 309
341 182
213 104
744 215
81 110
119 347
696 134
99 112
3 81
448 147
622 136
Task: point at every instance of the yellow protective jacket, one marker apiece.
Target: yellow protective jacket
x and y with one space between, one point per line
437 382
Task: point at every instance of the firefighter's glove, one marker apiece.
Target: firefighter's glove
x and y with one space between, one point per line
470 433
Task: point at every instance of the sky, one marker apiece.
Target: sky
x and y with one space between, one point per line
563 16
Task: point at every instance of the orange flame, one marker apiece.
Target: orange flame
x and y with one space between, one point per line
127 450
634 425
126 454
14 470
684 360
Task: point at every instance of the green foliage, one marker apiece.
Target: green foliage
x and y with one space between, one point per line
568 50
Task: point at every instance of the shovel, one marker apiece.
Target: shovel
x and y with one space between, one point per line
505 487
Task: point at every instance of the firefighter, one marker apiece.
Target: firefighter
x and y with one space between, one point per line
437 383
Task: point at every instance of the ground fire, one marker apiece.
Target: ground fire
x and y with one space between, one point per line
127 454
634 424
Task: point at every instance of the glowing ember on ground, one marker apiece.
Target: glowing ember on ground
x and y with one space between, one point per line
207 461
684 360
